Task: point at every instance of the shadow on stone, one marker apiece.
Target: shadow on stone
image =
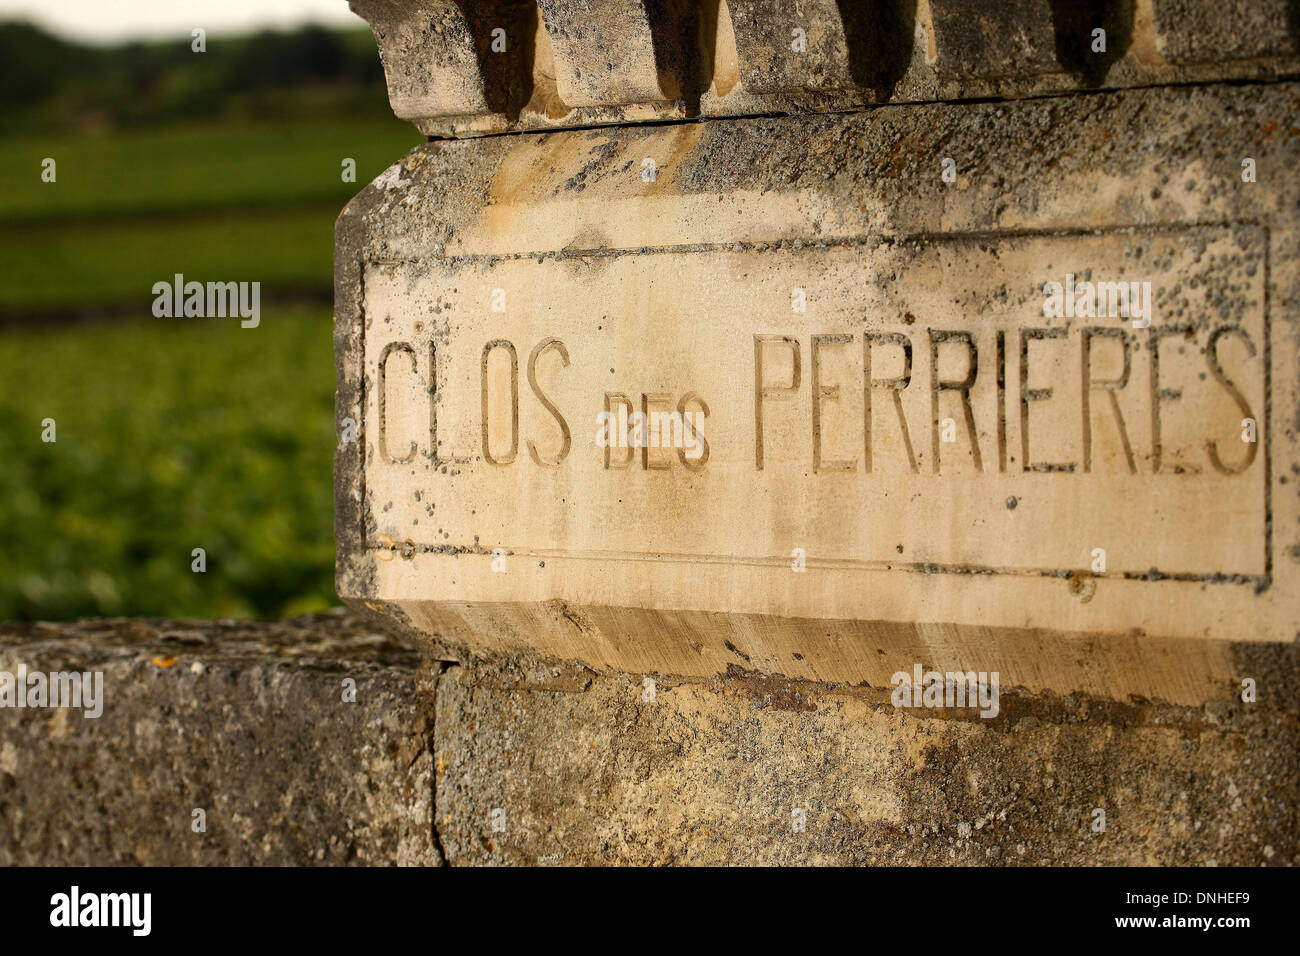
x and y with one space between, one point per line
507 73
1074 22
880 38
678 61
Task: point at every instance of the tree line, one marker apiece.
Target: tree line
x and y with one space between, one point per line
47 81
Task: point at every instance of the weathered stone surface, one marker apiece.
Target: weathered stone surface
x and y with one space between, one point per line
531 761
557 766
991 38
1193 32
448 82
975 554
243 720
604 53
587 62
787 47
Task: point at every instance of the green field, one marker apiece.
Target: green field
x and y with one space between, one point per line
183 433
117 262
172 434
194 167
240 202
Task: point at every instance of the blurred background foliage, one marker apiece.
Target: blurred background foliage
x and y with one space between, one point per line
47 82
174 434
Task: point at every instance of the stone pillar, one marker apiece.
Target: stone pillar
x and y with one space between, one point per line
963 339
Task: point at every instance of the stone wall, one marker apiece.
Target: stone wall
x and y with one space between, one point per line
241 720
531 762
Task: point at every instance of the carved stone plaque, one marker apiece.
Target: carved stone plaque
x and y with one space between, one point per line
810 424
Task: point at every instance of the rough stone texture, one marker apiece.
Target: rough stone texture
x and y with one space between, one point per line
989 38
1194 32
245 720
588 771
590 62
763 32
576 760
604 52
241 719
437 36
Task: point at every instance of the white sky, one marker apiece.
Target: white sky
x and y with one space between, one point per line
107 21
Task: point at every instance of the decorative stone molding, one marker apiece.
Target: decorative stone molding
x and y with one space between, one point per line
469 67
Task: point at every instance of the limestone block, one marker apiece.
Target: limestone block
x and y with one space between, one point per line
244 721
994 37
754 770
1192 32
429 58
530 761
791 44
604 52
927 422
